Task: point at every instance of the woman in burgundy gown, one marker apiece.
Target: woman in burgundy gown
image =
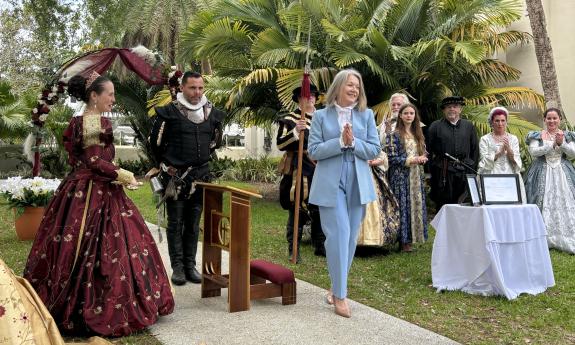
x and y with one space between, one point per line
94 262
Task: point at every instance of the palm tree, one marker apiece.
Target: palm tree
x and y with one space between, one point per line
544 53
13 115
131 95
428 49
155 24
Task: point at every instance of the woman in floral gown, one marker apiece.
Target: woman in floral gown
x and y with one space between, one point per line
380 225
94 262
405 149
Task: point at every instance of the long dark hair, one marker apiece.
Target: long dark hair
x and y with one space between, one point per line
415 128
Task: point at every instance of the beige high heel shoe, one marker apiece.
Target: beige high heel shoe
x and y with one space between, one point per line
341 307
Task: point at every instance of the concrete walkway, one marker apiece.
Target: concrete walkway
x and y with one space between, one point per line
310 321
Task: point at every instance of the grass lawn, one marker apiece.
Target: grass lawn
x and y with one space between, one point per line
398 284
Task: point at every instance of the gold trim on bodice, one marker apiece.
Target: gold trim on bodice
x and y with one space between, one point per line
91 129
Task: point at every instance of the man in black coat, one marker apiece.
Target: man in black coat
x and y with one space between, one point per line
455 137
184 136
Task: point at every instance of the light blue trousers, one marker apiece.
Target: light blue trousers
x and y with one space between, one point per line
340 225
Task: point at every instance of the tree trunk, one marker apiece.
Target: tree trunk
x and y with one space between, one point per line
173 44
544 53
206 67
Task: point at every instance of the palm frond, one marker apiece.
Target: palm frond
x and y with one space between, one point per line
223 39
512 96
160 99
271 47
258 13
473 52
491 72
13 122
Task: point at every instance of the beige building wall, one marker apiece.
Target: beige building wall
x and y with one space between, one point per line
560 15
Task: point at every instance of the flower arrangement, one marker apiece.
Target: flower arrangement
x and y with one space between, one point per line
25 192
47 98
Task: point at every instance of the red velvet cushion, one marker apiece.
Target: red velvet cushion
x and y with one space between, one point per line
272 272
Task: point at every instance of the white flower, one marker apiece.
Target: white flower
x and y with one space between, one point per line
23 192
43 117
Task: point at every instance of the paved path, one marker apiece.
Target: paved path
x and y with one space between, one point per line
310 321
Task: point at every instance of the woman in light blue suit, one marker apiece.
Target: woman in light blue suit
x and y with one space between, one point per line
343 137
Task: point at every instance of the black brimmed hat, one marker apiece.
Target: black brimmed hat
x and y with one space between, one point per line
452 100
297 92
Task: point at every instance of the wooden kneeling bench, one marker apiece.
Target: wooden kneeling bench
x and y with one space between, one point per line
282 282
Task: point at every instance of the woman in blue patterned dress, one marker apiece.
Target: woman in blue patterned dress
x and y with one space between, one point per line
550 180
405 149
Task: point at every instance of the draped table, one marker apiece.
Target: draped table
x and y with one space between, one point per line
491 250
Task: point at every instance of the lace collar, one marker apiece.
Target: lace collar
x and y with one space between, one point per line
182 100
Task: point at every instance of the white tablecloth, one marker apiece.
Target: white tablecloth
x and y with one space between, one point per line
491 250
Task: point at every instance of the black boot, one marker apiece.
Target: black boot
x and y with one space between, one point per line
191 235
174 235
178 276
192 275
317 235
290 249
319 250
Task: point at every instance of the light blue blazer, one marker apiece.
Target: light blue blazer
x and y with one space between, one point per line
324 146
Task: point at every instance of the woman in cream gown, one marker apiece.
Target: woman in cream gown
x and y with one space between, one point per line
23 317
499 150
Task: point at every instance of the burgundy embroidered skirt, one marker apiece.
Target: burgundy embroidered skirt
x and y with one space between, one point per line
95 264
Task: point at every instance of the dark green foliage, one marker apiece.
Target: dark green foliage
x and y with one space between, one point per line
131 97
263 169
219 166
138 167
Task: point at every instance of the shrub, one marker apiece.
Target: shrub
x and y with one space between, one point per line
219 166
262 169
139 167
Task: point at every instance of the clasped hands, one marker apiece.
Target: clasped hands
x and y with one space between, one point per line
559 137
505 149
347 135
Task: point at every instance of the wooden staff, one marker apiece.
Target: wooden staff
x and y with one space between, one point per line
298 191
305 94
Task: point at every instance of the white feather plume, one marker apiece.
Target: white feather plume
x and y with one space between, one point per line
28 144
145 54
75 69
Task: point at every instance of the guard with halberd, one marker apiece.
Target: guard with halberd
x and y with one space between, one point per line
290 128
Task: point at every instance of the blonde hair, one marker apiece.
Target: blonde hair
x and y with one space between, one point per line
339 81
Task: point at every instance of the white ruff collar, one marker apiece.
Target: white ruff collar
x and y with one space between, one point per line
182 100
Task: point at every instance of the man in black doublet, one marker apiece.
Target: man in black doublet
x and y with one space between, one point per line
458 138
184 136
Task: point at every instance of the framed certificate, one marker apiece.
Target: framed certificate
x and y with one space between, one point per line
473 189
500 189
